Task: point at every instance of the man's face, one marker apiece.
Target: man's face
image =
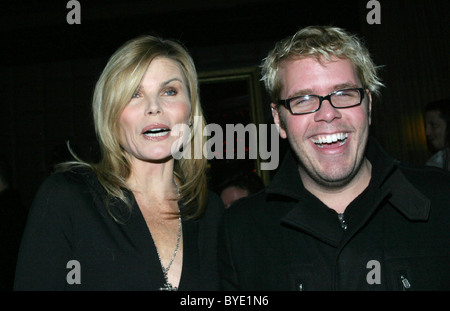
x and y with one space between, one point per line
435 129
321 162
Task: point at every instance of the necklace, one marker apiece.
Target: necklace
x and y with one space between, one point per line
167 286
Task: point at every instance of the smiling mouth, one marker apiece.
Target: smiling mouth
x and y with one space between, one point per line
157 132
324 140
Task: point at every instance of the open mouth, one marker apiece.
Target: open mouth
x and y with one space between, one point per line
157 132
328 140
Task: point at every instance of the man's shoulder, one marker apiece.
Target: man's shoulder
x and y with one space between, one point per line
427 177
257 207
432 183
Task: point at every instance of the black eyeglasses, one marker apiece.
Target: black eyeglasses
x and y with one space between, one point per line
311 103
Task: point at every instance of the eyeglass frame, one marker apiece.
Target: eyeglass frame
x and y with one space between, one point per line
287 102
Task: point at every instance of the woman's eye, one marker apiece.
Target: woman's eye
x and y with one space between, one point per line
170 92
136 94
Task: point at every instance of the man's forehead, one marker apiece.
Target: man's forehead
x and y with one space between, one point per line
302 76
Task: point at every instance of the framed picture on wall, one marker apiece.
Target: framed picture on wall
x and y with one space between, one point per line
232 101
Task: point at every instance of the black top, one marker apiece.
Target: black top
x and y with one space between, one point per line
394 236
72 243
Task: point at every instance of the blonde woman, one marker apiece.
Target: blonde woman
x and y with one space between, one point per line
140 218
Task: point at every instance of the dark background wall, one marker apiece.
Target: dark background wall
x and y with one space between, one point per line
48 68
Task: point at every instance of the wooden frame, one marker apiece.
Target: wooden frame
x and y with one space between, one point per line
234 96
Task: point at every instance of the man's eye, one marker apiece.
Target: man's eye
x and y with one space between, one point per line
302 100
347 93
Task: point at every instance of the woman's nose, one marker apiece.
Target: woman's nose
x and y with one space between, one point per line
153 107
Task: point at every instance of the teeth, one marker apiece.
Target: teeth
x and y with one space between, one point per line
156 132
329 139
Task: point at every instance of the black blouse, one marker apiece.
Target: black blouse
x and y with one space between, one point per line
72 243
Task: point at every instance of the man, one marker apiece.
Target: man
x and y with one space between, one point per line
340 214
437 130
239 186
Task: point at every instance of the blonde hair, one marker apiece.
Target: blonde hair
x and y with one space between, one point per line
320 42
116 85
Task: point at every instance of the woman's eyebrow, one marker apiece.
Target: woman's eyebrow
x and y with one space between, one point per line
171 80
140 87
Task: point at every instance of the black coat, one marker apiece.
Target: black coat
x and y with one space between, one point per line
397 235
68 221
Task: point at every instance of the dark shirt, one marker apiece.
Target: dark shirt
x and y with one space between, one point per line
70 238
394 236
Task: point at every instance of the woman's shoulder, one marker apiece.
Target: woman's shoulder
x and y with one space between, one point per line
214 208
77 182
215 202
73 177
214 199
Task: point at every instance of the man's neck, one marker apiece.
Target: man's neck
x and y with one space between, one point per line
338 198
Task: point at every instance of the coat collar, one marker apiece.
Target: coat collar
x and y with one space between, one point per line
387 183
388 177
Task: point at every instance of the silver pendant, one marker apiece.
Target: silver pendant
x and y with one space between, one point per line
168 287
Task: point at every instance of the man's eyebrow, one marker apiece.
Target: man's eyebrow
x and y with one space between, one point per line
347 85
302 93
337 87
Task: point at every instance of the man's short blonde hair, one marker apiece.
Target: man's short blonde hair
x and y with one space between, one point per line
321 42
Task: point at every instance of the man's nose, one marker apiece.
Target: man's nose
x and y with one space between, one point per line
327 112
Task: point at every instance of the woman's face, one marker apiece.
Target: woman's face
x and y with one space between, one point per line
435 129
160 102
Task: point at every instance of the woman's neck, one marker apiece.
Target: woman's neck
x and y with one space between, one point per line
153 181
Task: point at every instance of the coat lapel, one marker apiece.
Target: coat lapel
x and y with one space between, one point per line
312 216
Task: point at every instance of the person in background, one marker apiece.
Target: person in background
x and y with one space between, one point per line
139 219
239 186
437 130
340 213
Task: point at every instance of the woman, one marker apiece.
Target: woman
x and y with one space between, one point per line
437 130
139 219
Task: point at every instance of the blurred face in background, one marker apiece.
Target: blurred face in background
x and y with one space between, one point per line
435 129
231 194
